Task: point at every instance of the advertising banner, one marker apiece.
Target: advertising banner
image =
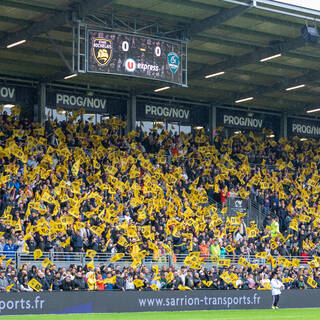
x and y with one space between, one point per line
92 103
247 120
133 301
303 128
7 94
187 114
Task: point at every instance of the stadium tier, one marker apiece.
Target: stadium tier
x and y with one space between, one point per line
159 155
77 190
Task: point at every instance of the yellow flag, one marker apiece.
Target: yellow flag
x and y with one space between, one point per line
262 255
8 262
75 168
91 253
230 248
9 287
207 283
154 287
112 280
242 261
224 210
138 283
47 263
37 254
183 288
117 257
123 242
312 283
35 285
169 277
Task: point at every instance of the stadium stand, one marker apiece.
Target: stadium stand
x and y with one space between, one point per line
156 201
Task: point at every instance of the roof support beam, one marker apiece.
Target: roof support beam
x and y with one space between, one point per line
58 19
221 17
25 6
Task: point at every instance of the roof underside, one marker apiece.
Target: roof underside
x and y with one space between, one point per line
223 37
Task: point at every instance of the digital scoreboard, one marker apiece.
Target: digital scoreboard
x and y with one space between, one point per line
136 55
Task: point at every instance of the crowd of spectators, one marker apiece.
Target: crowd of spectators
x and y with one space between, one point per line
114 277
75 186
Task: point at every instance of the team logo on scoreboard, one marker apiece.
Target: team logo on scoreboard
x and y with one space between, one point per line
130 65
102 50
173 61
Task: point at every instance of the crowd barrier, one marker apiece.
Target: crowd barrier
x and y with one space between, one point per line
65 259
135 301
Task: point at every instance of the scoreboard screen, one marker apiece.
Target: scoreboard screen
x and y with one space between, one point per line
135 55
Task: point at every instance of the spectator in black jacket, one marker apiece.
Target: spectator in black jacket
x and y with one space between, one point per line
80 282
76 241
42 280
67 284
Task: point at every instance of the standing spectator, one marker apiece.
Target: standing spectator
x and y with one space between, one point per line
9 249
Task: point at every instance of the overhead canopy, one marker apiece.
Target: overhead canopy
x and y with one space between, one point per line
224 37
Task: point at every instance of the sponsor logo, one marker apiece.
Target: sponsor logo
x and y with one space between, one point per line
159 111
6 306
7 93
68 100
242 121
305 129
130 65
173 62
147 67
102 51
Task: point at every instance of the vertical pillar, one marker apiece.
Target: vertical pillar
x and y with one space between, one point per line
212 121
42 103
284 125
131 112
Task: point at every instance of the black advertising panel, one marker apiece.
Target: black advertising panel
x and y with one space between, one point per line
303 128
92 103
135 55
247 120
23 303
182 113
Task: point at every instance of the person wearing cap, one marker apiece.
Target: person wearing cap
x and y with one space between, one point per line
276 286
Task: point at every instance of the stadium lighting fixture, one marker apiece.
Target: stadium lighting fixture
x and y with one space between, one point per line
198 128
271 136
161 89
16 44
8 106
303 139
237 132
313 110
271 57
214 74
70 76
296 87
243 100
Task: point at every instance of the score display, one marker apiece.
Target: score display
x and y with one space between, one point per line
135 55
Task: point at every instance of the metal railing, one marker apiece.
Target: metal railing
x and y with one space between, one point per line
65 259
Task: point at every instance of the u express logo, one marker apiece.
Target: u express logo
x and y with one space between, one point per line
102 50
130 65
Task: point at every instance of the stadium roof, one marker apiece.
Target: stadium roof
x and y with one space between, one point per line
227 37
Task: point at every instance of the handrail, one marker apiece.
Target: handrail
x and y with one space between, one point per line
80 258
